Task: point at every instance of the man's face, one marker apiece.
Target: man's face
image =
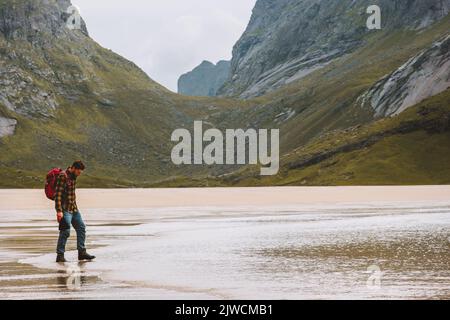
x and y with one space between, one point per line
77 172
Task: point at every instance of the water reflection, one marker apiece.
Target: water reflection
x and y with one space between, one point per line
343 252
71 276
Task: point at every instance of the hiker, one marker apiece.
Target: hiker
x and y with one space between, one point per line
67 212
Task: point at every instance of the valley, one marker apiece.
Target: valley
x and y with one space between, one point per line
64 97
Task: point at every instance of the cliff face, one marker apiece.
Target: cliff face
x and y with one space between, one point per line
425 75
28 30
204 80
288 39
22 19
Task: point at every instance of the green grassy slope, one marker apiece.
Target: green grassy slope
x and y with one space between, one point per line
412 148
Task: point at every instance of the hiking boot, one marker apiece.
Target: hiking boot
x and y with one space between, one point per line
83 255
60 258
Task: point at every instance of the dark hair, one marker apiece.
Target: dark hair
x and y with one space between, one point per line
78 165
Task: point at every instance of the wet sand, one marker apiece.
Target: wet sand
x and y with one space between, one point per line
257 243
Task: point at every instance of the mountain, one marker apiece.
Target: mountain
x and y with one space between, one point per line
64 97
287 40
331 130
373 112
204 80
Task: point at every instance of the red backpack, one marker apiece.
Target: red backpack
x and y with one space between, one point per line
50 183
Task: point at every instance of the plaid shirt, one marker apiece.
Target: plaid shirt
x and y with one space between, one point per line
65 199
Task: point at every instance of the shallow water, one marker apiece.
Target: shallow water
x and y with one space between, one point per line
345 251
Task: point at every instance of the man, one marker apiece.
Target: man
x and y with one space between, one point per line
68 214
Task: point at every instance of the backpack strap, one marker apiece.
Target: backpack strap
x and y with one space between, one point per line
66 176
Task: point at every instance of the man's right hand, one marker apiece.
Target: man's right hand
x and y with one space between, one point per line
59 216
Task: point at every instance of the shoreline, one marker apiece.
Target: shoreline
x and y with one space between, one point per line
192 257
34 199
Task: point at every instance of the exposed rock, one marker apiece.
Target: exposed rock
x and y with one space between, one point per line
106 102
204 80
7 127
31 76
29 20
423 76
284 116
288 39
21 94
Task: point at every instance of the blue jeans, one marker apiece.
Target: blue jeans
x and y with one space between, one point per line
76 221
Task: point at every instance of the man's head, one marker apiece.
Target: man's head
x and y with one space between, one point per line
77 168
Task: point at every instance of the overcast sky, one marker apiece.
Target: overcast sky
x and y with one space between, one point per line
167 38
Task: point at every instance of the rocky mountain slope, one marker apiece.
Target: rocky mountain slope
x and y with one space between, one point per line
288 39
62 97
425 75
205 80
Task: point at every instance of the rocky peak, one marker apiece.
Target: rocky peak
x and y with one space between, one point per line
30 20
288 39
30 77
205 79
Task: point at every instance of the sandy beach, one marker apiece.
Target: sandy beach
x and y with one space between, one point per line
151 198
255 243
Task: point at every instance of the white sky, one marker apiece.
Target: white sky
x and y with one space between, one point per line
167 38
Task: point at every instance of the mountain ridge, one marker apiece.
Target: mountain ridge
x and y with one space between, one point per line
205 79
288 39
